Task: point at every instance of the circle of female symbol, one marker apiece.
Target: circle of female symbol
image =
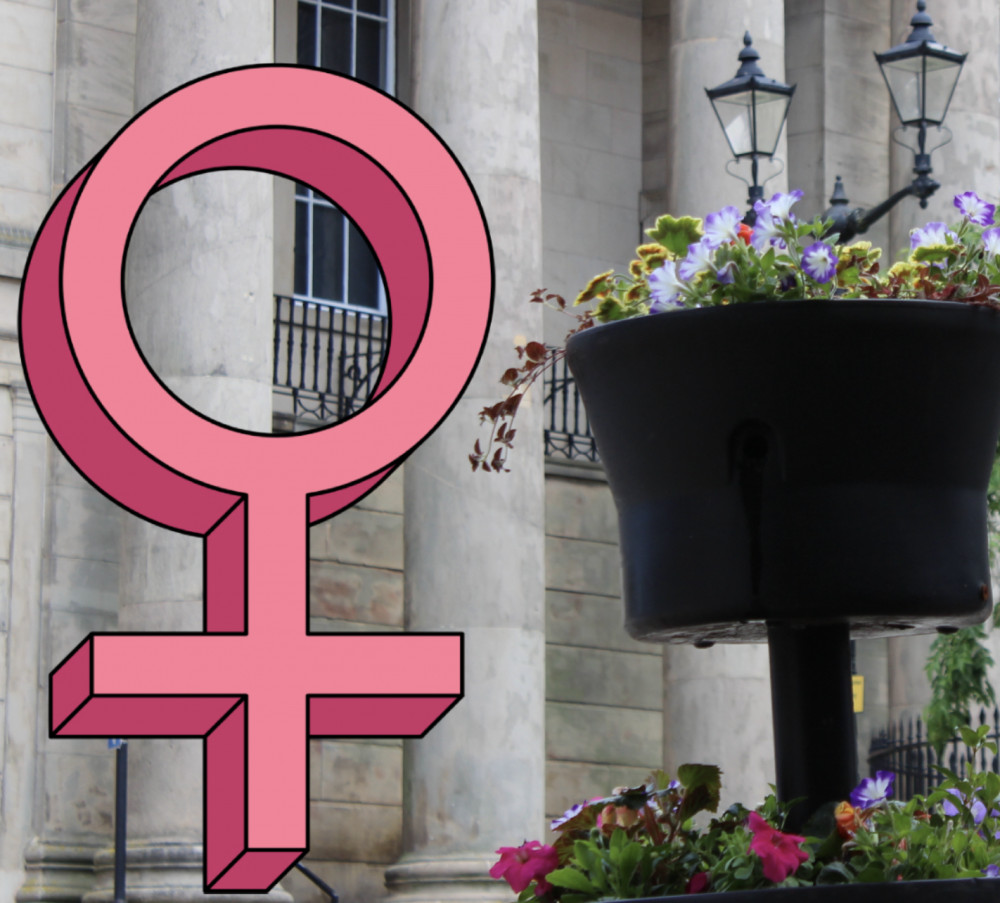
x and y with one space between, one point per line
252 496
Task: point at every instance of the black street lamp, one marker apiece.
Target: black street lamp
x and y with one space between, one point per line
921 75
751 108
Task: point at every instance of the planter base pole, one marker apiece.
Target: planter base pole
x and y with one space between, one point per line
815 748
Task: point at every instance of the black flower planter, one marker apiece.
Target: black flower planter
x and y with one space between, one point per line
800 472
803 462
968 890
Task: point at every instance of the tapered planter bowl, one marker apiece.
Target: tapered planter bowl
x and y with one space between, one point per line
798 462
965 890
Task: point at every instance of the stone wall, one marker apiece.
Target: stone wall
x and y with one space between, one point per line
604 690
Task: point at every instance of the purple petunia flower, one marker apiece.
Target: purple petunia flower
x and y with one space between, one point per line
992 871
665 288
872 791
700 259
725 274
975 209
779 206
765 232
819 261
978 807
722 226
991 241
931 234
571 812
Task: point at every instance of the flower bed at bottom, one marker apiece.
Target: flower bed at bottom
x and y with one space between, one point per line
968 890
643 843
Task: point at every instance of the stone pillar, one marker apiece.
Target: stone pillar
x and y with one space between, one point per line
705 38
474 542
968 162
839 118
198 284
22 618
717 703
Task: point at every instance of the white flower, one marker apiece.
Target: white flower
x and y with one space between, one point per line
665 288
700 259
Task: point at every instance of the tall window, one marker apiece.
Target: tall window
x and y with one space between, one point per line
333 263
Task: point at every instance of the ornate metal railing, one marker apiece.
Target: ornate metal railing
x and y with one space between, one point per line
567 431
904 750
327 361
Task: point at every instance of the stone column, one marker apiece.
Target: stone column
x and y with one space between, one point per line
839 118
717 704
474 542
198 286
705 38
968 162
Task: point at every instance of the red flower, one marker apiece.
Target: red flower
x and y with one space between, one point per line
698 883
779 852
745 232
531 861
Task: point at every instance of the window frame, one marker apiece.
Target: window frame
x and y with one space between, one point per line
312 200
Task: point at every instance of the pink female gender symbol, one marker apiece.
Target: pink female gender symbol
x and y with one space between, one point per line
256 685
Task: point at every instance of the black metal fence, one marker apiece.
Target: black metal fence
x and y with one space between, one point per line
327 361
904 750
567 432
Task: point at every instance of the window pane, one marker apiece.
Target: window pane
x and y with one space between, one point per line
363 272
301 249
371 61
336 42
306 54
377 7
328 253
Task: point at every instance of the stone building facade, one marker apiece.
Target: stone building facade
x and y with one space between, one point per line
577 121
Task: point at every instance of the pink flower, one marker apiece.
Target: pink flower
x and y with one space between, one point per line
531 861
779 852
697 884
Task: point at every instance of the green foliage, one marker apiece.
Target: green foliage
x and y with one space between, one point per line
957 670
676 234
641 841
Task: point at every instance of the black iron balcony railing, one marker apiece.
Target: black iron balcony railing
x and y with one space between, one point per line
327 361
567 432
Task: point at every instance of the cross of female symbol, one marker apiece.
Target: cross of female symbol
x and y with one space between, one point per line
255 684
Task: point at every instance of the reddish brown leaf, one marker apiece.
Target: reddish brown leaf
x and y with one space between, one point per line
510 406
535 351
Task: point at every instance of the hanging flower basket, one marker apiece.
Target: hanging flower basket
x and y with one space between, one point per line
802 461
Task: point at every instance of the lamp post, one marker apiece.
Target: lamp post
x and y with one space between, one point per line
751 108
921 75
